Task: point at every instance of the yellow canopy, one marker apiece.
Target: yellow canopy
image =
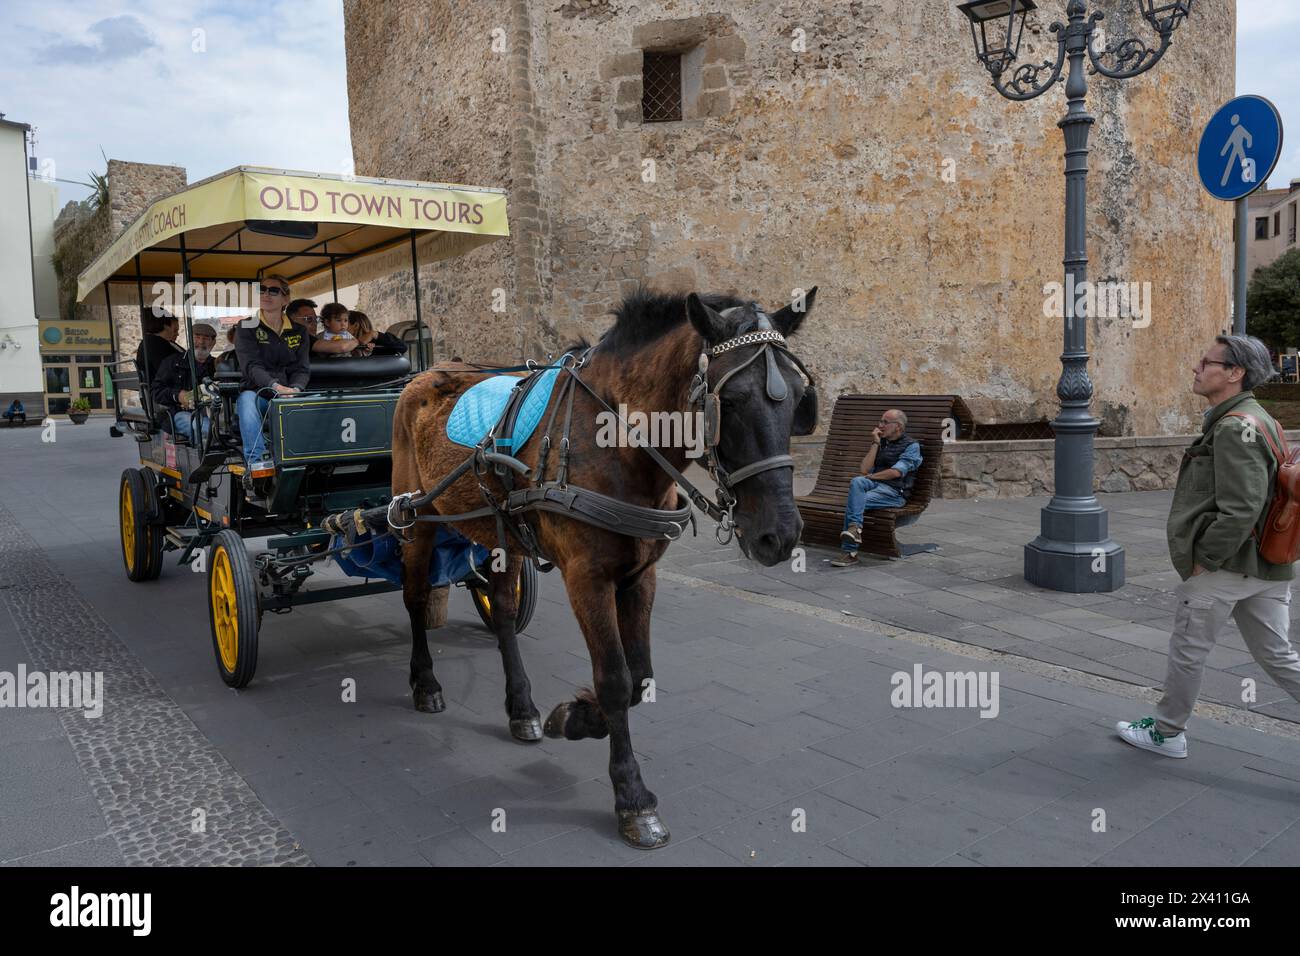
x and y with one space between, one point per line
356 218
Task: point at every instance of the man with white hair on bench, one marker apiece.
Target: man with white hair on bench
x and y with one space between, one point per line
888 474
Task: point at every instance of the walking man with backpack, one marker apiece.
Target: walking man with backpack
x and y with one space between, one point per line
1227 484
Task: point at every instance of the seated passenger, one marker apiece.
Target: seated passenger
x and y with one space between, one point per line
274 356
228 361
303 312
173 385
16 411
888 474
159 342
383 343
330 342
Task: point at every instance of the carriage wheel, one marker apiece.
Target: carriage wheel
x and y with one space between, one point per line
233 609
525 598
142 543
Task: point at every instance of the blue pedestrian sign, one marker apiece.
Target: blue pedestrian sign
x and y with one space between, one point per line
1239 148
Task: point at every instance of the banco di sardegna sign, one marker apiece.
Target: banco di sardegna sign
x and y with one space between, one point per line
251 193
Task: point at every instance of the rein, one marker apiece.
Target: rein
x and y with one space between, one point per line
584 504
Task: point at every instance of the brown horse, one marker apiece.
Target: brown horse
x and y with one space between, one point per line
646 360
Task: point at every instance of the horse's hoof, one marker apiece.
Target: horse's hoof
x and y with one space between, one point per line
642 831
555 723
429 702
526 728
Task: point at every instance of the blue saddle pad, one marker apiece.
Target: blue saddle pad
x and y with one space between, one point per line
482 404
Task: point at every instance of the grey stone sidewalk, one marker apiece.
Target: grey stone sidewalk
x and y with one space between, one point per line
773 709
972 590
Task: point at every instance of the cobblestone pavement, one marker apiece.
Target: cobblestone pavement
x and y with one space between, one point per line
773 739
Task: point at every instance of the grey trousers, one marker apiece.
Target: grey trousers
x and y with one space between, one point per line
1262 612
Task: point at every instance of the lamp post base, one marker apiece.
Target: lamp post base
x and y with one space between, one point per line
1075 552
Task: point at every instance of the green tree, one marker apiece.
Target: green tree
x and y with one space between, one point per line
1273 302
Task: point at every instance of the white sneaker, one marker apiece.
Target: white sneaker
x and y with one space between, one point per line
1142 733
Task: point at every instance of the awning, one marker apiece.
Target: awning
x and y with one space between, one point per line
357 220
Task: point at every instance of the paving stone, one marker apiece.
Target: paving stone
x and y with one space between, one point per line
878 742
764 784
920 835
99 852
457 848
576 848
770 837
694 851
39 827
1010 790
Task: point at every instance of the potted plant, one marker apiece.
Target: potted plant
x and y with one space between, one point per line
79 411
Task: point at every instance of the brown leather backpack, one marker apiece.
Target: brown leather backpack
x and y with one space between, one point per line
1280 541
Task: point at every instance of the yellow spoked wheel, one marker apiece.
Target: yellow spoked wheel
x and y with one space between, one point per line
233 609
142 543
525 599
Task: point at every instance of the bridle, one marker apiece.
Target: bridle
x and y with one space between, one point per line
706 400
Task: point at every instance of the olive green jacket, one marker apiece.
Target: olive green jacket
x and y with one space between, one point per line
1225 486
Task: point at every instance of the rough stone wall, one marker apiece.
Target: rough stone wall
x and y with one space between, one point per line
1018 469
429 99
877 164
81 234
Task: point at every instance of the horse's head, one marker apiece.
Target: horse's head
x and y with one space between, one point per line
755 400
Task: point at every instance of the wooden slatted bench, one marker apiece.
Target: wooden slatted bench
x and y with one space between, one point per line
846 444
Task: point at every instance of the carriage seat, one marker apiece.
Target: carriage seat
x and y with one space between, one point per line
330 373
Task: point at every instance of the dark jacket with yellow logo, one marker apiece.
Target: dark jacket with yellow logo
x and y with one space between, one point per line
268 356
1225 485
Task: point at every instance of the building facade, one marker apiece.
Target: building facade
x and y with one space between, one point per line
87 337
761 148
1272 222
20 363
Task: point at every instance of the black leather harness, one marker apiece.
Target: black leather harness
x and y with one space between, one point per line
583 504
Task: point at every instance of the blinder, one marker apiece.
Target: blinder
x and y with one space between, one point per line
712 419
805 413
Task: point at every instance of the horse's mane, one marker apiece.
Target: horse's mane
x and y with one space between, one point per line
645 315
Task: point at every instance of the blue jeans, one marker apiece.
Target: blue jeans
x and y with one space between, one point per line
866 494
251 410
184 425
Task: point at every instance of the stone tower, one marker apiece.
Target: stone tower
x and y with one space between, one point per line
855 145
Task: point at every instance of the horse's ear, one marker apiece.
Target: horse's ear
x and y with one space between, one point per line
711 326
788 320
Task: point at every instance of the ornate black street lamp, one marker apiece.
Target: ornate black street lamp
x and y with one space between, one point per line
1074 551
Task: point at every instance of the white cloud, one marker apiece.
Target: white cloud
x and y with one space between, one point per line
1267 32
207 87
1266 16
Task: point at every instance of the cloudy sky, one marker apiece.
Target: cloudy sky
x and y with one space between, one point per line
203 85
263 82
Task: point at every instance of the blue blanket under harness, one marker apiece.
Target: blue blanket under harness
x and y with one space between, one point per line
482 404
381 559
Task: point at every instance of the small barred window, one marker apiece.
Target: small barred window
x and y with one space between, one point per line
661 96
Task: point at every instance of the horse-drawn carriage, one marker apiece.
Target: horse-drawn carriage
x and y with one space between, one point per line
374 467
330 443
